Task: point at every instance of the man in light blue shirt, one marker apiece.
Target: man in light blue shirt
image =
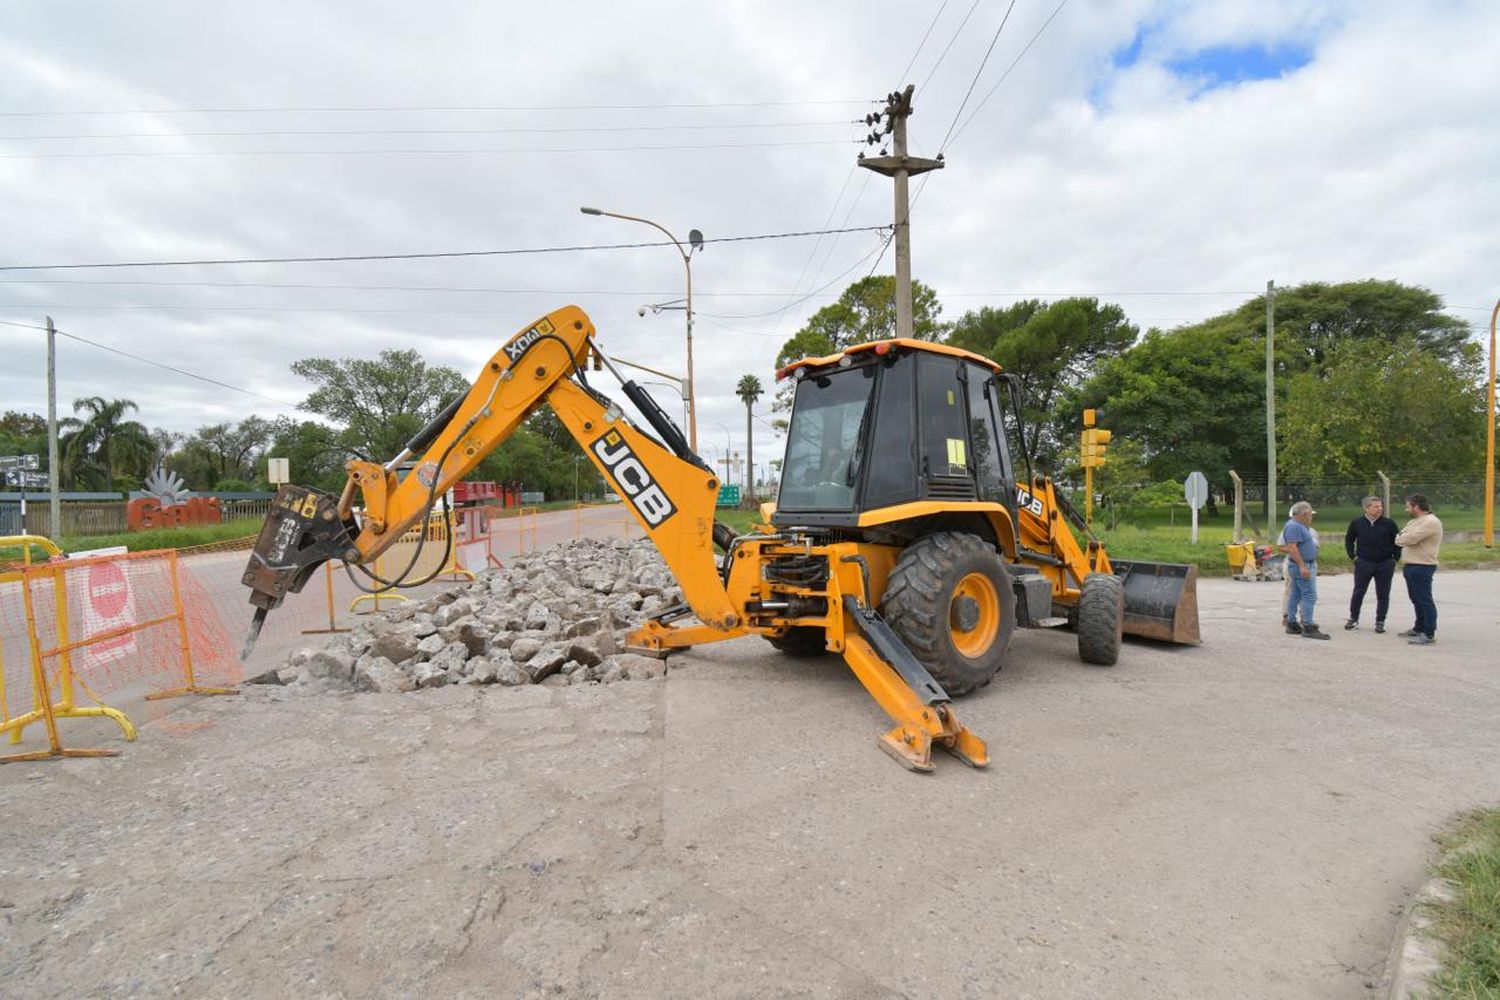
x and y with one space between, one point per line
1301 545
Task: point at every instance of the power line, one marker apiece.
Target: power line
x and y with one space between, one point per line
420 131
148 154
923 43
156 364
854 203
595 291
423 256
834 280
982 63
944 54
922 186
1021 55
430 108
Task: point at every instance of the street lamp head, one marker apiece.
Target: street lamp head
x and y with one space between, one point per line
590 211
641 311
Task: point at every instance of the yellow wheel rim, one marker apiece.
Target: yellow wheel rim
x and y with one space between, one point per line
973 639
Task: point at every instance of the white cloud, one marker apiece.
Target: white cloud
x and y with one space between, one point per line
1373 160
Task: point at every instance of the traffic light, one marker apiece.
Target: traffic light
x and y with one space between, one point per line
1101 441
1092 445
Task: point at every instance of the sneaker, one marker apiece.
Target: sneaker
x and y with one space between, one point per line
1419 640
1292 628
1311 631
1379 627
1409 633
1351 624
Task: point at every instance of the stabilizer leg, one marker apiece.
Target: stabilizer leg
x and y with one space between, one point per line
919 725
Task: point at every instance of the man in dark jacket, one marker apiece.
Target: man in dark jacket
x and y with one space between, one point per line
1371 543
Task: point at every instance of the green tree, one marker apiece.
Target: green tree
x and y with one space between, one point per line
1051 349
1194 398
381 403
102 446
749 391
315 452
224 452
866 311
541 455
1379 405
1321 316
23 434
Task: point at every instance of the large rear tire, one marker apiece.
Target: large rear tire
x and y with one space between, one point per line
800 641
949 598
1101 619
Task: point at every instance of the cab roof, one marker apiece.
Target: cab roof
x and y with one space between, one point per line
885 347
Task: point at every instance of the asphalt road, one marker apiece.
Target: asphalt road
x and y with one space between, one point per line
1244 818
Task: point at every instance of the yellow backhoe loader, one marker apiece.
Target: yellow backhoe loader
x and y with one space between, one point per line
900 538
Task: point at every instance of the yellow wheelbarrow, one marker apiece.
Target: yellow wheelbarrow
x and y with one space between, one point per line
1247 562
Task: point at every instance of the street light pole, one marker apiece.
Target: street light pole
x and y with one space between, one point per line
695 238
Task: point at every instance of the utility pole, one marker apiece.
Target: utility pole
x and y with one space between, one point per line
54 480
1271 409
900 167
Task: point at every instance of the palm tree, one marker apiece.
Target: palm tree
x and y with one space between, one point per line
749 390
103 443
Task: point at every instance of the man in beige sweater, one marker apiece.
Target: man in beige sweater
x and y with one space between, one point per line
1420 541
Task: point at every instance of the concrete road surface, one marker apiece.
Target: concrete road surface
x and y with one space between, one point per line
1241 819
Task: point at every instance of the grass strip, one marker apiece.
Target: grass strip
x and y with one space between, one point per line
1469 924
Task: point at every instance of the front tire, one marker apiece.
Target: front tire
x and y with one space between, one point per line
1101 619
950 600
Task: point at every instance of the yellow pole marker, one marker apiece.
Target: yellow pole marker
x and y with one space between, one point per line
332 627
452 568
374 598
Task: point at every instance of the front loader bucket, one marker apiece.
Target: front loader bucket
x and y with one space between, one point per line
1161 600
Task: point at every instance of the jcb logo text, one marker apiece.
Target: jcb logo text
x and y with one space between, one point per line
635 483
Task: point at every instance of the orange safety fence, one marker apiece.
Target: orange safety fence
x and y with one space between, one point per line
130 624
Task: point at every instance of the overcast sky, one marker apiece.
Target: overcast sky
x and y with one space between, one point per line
1167 156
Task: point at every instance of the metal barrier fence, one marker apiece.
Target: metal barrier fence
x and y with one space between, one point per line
81 518
99 624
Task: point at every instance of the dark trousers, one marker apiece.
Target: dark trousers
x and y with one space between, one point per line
1381 573
1419 589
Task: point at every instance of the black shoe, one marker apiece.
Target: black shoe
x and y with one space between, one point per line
1408 633
1379 627
1351 624
1311 631
1292 628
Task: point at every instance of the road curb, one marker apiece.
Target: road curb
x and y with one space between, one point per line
1416 952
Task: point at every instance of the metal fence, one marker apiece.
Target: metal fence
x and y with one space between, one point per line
1440 490
81 518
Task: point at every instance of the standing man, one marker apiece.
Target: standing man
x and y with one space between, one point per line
1371 543
1420 540
1302 552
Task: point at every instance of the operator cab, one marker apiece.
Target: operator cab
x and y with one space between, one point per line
891 423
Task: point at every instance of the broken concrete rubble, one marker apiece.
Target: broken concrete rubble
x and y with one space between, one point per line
557 615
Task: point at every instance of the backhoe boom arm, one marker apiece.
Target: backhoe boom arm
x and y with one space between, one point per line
671 495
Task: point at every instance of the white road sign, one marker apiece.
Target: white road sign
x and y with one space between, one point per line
1195 489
